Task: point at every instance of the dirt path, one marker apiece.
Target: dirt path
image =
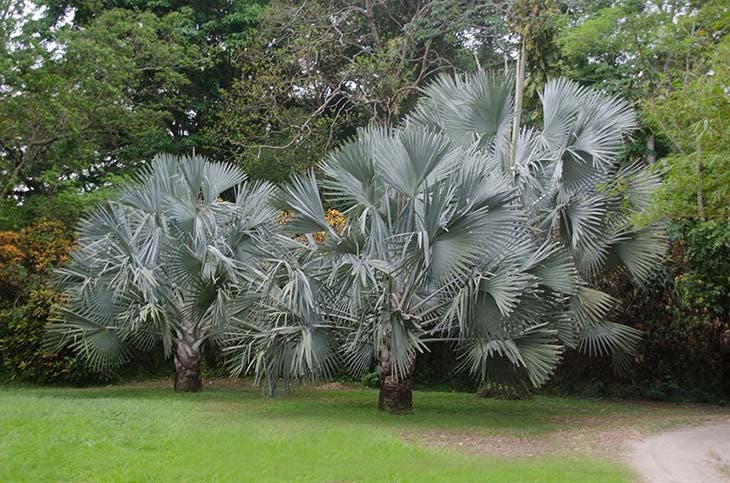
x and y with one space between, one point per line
694 455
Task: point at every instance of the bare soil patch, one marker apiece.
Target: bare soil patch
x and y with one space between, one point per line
603 437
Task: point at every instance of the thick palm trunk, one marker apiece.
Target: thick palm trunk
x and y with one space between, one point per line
188 356
396 393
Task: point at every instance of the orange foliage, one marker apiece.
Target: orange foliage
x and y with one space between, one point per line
9 248
37 248
46 244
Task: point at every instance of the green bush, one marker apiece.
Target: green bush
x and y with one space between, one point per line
371 379
504 391
703 287
23 358
683 312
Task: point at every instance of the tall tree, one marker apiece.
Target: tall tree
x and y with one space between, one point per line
316 70
692 117
80 105
639 48
215 29
89 89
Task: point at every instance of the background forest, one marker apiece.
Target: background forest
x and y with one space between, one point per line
90 90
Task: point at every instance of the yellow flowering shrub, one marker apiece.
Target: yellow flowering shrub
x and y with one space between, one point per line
335 218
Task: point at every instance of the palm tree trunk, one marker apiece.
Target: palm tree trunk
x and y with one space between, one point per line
188 356
519 93
698 173
396 393
650 153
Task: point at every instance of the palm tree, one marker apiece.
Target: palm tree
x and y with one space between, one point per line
442 245
426 220
574 186
160 264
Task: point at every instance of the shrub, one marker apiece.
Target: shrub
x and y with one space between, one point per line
27 257
702 260
683 312
371 379
505 391
22 329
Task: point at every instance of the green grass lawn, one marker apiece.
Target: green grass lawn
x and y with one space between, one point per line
234 433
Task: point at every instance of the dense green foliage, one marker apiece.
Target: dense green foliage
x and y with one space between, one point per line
85 101
99 86
702 266
693 118
85 104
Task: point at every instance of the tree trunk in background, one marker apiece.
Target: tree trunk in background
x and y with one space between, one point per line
519 93
700 197
650 153
396 394
188 357
698 173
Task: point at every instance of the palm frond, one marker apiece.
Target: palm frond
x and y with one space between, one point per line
412 158
218 178
301 197
100 345
531 355
641 251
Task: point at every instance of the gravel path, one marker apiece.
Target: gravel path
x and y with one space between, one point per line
694 455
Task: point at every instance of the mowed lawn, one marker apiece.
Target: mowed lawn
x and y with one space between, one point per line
231 432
